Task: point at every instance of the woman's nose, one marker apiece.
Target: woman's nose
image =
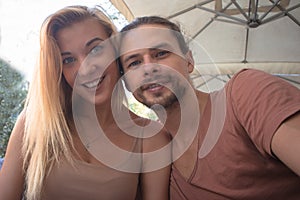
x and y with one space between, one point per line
86 66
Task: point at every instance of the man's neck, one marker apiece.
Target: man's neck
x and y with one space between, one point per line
186 111
170 117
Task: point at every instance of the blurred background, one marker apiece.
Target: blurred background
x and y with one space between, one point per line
224 35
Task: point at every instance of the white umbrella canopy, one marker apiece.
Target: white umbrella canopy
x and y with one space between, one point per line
228 35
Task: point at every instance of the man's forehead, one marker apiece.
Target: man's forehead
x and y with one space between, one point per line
148 37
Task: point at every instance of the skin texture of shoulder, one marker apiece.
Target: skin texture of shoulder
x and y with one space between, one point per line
156 161
150 179
11 174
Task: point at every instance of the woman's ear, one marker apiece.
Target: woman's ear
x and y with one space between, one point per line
190 60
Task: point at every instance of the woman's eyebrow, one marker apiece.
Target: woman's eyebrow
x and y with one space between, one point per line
93 40
65 53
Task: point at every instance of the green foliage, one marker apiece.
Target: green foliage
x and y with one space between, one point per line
13 90
141 109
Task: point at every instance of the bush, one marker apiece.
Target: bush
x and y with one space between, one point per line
13 91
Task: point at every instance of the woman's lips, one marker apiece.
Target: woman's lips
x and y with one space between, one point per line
93 84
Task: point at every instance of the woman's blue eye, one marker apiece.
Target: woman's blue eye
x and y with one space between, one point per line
96 49
68 60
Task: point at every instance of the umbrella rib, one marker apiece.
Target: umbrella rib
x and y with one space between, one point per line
228 76
291 80
201 84
279 15
189 9
246 47
249 8
256 7
212 77
288 14
240 9
230 21
220 79
272 7
211 21
222 14
202 29
182 11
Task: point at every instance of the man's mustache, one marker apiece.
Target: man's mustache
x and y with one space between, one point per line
157 79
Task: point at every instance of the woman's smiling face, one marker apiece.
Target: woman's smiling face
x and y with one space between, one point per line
88 59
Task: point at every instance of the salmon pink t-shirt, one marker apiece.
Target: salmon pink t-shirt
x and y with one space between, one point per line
240 163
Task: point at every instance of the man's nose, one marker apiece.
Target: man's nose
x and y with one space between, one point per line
150 66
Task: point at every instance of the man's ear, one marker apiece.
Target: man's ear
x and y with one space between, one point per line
120 67
190 59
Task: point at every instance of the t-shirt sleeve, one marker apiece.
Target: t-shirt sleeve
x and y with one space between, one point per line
261 102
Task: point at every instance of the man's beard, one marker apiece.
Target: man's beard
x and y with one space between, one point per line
162 99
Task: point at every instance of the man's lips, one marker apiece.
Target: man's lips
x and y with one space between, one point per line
150 86
153 87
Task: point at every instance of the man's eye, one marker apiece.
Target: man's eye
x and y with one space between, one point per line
134 63
162 53
96 50
68 60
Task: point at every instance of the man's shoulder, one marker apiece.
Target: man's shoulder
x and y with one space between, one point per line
250 73
248 79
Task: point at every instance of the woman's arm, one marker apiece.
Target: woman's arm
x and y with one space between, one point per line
286 143
11 174
155 185
157 164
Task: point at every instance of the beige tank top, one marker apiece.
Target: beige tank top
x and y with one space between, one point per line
85 181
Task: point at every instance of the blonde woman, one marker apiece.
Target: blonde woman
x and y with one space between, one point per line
71 142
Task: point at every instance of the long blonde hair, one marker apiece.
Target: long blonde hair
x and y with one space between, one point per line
48 108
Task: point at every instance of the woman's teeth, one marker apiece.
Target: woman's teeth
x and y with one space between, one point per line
93 83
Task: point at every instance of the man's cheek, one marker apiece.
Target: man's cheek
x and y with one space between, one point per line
131 84
133 79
